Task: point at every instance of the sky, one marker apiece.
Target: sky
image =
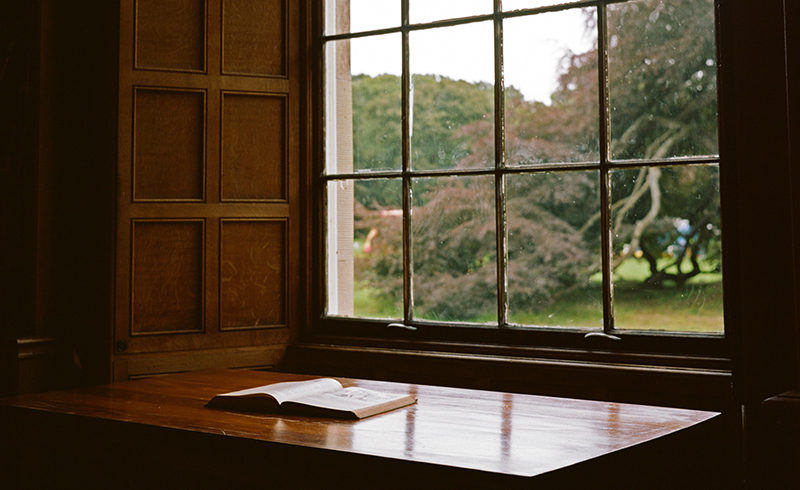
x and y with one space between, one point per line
533 48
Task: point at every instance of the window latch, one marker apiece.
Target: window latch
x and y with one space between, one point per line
401 325
601 335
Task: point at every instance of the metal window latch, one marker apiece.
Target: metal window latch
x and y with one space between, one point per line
401 325
601 335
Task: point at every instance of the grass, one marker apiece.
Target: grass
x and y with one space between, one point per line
695 307
369 304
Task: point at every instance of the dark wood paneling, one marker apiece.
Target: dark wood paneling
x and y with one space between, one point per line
260 357
167 277
171 347
44 364
73 202
203 143
254 37
169 143
170 35
760 284
253 147
252 273
18 179
792 14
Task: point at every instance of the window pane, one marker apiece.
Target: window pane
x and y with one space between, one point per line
509 5
454 249
378 244
344 16
667 261
662 79
363 104
365 264
432 10
554 249
550 73
452 70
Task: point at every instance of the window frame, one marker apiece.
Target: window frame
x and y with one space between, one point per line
691 350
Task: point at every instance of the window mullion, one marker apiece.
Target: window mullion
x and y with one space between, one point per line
408 291
605 181
499 158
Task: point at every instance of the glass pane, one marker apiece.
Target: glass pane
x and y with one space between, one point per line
554 249
509 5
432 10
667 261
365 248
452 121
454 249
550 74
344 16
363 104
662 79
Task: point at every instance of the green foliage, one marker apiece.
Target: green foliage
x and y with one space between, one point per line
377 123
662 74
441 108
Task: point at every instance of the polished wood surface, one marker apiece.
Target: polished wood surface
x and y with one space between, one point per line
482 432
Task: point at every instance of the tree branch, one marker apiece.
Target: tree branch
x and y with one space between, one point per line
653 175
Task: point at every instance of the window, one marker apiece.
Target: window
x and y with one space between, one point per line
523 170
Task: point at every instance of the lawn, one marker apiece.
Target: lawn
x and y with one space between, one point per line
695 307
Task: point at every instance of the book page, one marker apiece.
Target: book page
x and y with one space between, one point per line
350 399
289 390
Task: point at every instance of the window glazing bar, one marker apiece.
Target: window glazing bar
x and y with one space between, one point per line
408 274
605 182
500 179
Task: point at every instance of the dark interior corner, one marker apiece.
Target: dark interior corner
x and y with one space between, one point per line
73 93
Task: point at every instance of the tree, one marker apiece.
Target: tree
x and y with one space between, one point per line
662 74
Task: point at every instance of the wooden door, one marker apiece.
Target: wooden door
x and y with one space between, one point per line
207 196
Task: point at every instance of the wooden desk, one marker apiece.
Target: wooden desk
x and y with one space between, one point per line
155 433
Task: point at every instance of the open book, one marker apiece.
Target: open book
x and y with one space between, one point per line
323 397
